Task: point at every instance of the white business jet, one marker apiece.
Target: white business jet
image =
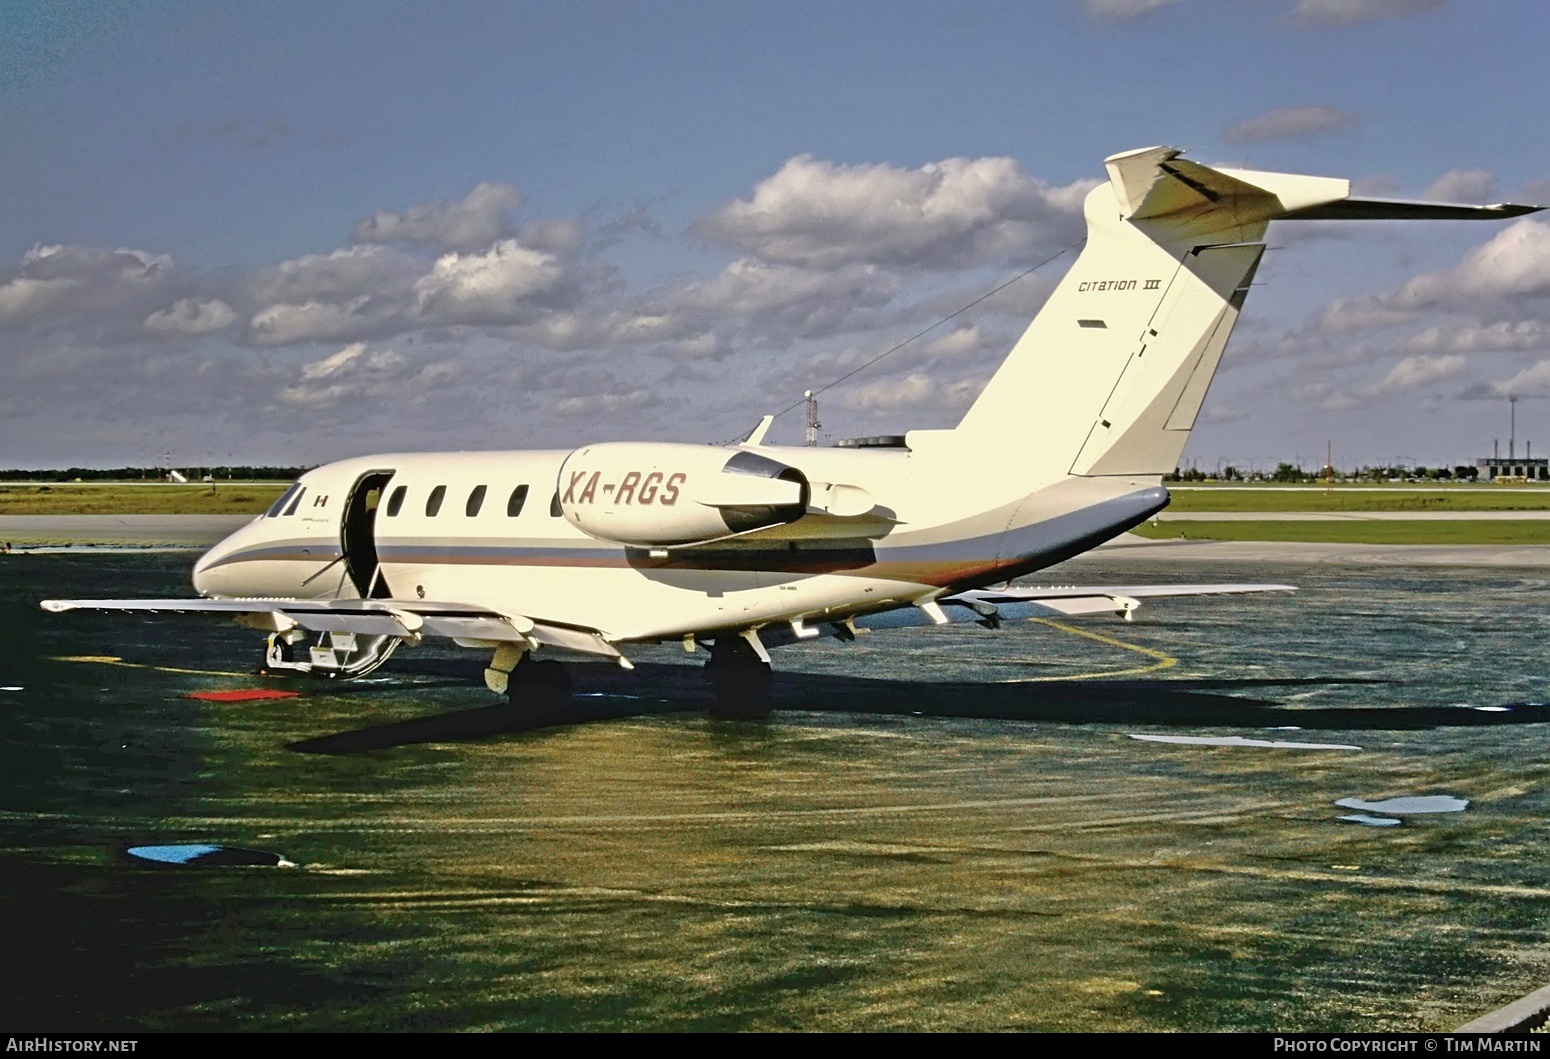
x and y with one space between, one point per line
741 548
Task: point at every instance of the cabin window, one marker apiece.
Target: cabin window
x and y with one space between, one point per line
396 501
518 498
475 501
285 497
296 502
433 502
554 505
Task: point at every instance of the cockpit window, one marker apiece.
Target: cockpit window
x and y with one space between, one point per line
285 498
518 498
433 502
295 502
396 501
475 501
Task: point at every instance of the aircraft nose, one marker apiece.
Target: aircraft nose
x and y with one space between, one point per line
201 574
204 576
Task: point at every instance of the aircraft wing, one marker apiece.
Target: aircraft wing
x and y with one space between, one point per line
369 617
992 606
1073 599
465 621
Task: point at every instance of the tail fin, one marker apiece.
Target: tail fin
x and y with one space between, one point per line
1109 377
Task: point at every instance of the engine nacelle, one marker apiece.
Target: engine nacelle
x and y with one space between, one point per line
655 494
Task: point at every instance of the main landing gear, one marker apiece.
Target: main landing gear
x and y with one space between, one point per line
527 681
331 655
740 679
535 681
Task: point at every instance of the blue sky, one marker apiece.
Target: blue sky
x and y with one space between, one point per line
294 232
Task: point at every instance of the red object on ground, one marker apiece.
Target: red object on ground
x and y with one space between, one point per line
243 695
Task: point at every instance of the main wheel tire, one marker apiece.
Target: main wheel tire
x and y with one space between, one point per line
740 679
546 682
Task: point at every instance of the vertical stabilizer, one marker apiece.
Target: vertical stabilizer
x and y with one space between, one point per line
1110 376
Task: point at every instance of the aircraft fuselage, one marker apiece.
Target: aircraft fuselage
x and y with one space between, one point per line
490 528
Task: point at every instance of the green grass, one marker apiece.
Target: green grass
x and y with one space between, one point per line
1317 498
195 498
1343 532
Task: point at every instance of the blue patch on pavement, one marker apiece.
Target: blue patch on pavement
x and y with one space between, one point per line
203 854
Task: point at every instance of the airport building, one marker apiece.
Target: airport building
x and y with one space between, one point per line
1508 467
1513 468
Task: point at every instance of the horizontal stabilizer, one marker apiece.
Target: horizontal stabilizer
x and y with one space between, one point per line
1157 183
1406 210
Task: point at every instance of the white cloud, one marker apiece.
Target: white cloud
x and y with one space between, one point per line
352 371
332 365
1514 263
1419 371
916 390
190 316
313 321
346 273
476 220
1533 381
494 287
23 296
1496 336
1535 192
706 346
957 212
1375 186
1358 314
1124 10
83 283
1325 396
963 339
1288 123
1462 185
602 403
1353 12
563 236
123 265
751 289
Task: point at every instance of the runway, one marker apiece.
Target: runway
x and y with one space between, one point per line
1352 516
939 828
190 531
90 532
1129 548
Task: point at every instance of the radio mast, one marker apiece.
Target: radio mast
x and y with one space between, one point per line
812 420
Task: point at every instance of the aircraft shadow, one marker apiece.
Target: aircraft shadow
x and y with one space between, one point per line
606 693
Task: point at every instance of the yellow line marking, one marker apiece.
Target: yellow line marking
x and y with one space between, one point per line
111 660
1163 661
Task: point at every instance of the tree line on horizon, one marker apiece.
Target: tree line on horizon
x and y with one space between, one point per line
151 474
1289 472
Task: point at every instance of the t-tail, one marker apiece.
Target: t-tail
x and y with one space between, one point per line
1109 378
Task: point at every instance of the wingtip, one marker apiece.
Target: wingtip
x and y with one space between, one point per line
1514 209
